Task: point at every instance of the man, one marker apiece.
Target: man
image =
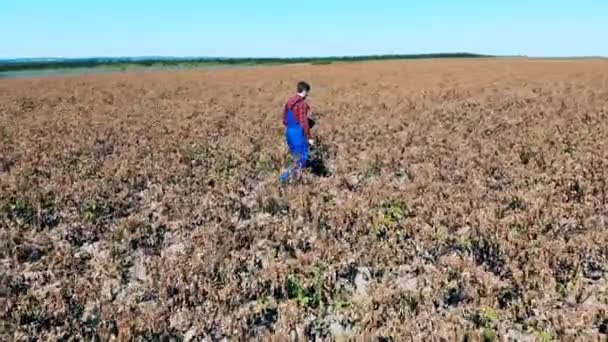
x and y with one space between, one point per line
297 130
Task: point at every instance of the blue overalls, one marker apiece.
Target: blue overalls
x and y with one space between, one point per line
298 145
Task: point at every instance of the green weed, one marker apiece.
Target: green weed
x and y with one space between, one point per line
21 212
338 303
197 155
569 147
303 295
392 213
309 290
544 336
484 318
225 166
379 231
94 211
489 335
517 229
30 311
4 135
516 203
526 155
409 303
374 168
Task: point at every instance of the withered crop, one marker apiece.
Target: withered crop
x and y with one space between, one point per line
458 198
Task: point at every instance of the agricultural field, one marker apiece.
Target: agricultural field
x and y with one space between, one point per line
451 199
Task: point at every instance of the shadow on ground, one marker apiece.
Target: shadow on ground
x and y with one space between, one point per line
316 162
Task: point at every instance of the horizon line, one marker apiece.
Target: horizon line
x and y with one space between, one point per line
295 57
251 57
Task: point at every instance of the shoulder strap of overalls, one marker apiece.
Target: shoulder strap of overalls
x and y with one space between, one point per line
295 103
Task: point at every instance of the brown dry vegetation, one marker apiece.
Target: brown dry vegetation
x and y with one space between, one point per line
465 198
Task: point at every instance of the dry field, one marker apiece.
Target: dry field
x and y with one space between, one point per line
462 199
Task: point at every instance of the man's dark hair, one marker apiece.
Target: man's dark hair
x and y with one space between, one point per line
303 86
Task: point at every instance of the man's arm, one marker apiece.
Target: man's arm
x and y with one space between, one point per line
285 115
301 112
309 122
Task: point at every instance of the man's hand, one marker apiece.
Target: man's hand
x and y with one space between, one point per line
311 142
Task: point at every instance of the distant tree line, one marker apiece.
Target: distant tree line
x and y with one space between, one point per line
18 65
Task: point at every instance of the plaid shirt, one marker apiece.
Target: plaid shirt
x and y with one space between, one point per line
300 110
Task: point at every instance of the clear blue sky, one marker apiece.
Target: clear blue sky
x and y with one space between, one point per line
78 28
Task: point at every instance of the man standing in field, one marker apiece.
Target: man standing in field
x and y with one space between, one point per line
297 130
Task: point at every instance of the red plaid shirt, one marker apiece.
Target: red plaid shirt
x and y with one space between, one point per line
300 111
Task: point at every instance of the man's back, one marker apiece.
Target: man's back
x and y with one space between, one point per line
299 108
